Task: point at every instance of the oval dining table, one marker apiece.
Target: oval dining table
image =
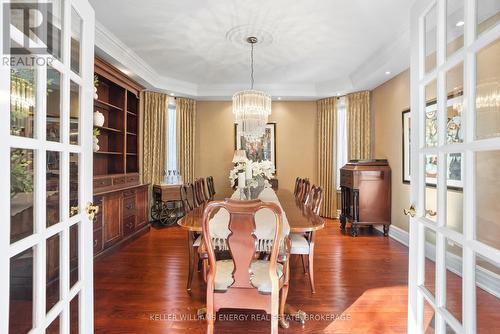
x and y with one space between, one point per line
300 218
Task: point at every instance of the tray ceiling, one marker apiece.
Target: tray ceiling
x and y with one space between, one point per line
307 49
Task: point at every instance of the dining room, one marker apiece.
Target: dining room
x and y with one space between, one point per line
250 167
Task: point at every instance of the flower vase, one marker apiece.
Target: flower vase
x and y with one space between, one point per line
255 191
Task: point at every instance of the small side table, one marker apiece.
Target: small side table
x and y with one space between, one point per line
167 203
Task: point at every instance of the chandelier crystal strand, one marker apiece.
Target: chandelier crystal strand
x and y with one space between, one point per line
252 107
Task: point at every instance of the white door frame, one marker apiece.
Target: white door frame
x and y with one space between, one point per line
37 241
418 224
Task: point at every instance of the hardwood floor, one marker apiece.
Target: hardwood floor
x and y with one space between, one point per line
361 286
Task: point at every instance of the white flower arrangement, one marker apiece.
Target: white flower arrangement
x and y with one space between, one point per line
261 169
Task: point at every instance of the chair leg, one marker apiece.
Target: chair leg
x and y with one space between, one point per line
191 260
303 258
284 294
205 269
311 262
210 315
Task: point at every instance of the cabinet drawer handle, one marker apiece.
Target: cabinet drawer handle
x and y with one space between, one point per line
95 242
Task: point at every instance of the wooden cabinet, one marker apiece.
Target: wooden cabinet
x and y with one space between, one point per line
365 194
123 214
112 218
122 200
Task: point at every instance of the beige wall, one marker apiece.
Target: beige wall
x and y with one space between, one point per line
296 142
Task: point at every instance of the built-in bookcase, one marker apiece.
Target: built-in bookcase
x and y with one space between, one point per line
118 100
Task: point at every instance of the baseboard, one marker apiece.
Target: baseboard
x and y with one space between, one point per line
485 279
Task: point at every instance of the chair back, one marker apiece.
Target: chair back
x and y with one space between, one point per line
310 196
211 187
198 191
191 195
204 190
186 205
316 200
296 189
304 190
241 241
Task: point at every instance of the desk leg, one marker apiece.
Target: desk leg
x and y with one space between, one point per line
354 224
190 241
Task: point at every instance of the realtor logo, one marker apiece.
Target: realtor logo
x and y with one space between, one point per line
26 33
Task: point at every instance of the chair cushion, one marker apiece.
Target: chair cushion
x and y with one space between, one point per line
300 244
197 242
260 269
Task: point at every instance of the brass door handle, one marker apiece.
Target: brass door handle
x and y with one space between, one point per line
73 211
411 211
431 213
92 210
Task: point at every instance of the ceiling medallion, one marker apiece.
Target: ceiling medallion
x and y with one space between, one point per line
252 108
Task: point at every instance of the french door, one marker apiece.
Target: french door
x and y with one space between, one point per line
455 181
46 95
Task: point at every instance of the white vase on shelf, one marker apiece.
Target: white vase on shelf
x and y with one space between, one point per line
98 118
95 144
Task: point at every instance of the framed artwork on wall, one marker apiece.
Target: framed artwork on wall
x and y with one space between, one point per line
454 134
406 146
262 149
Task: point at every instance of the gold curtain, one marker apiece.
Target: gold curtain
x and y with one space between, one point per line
358 124
186 118
153 110
327 138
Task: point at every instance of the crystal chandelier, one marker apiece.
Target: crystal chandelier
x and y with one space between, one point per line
251 108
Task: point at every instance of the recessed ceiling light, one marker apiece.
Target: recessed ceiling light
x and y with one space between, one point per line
279 98
387 72
172 94
338 94
460 23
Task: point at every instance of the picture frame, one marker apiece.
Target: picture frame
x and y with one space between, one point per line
454 163
406 124
263 149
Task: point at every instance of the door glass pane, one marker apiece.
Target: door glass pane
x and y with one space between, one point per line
54 326
22 101
454 104
488 91
429 324
431 126
487 207
73 314
53 105
76 38
430 265
454 25
74 113
74 201
487 304
54 30
488 14
74 236
431 175
52 271
21 292
21 193
454 279
430 40
53 187
454 196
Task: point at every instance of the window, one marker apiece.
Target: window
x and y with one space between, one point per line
341 136
171 151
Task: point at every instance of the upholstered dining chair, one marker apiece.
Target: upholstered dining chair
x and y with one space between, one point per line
244 282
199 193
303 243
189 202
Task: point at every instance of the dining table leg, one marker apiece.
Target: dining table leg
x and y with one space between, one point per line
190 241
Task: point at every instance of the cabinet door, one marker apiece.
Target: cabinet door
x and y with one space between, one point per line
112 218
142 207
